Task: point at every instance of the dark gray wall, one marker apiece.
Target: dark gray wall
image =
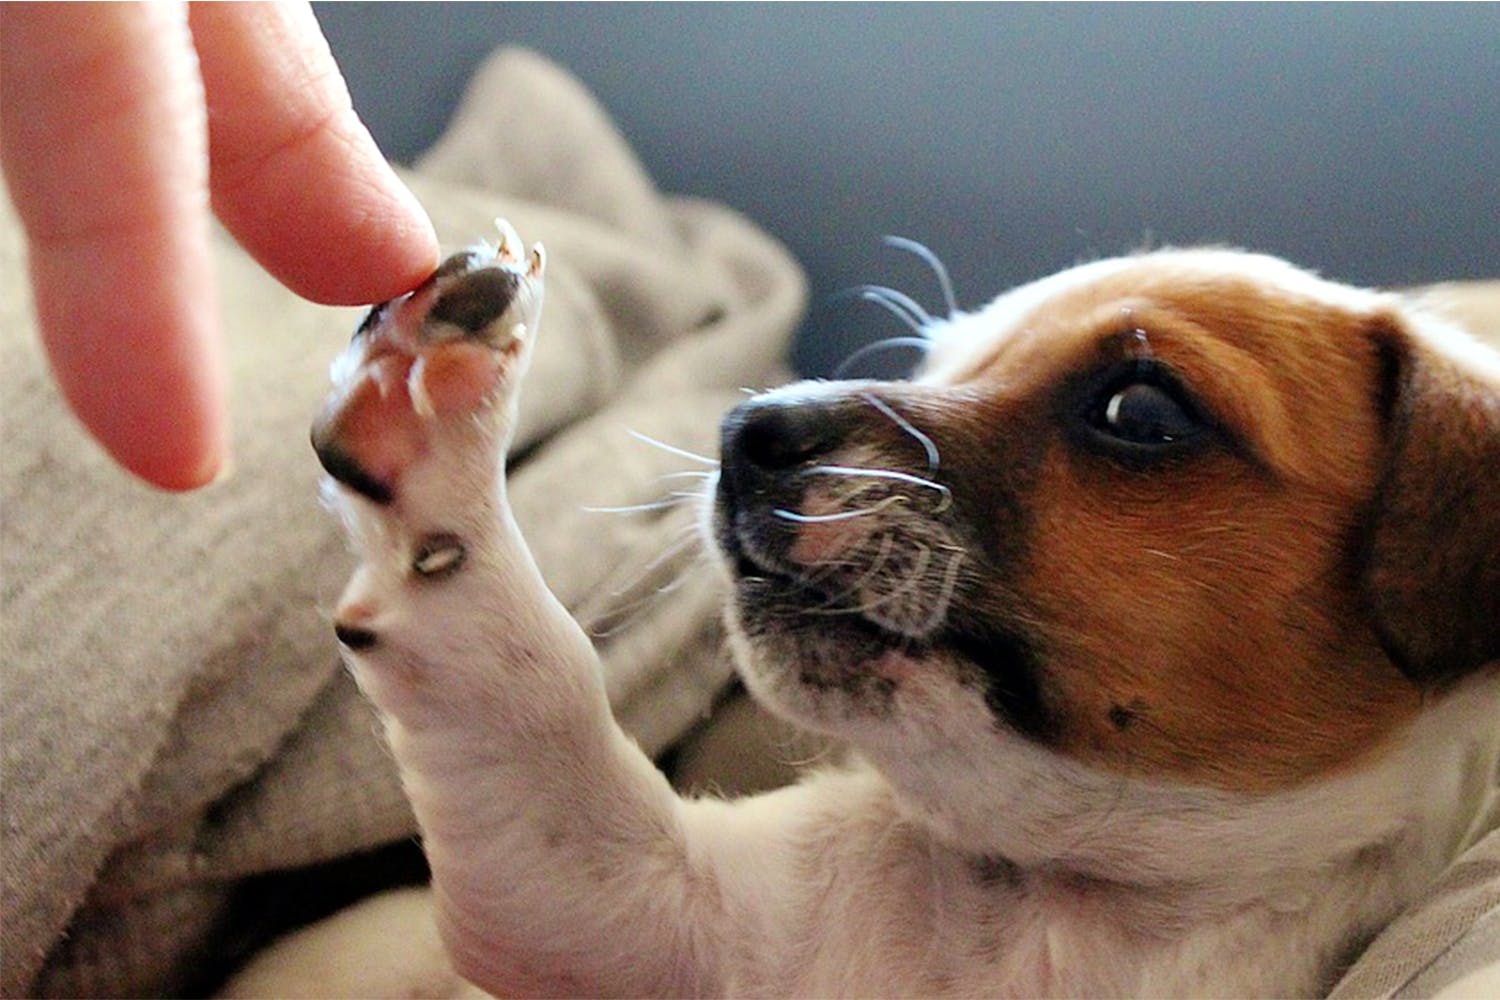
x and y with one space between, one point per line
1363 141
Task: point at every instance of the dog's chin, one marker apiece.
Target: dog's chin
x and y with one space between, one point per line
844 674
838 661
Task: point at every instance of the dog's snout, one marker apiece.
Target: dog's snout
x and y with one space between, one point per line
772 435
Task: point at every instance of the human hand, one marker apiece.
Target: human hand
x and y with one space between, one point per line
120 124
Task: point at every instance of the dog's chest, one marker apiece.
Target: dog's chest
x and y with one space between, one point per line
950 928
901 917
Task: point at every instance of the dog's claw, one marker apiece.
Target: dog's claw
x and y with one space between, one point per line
511 247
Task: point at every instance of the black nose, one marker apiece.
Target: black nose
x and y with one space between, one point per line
775 434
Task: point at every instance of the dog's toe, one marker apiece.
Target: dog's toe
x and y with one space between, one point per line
450 349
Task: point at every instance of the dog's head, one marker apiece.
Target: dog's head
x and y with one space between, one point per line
1192 518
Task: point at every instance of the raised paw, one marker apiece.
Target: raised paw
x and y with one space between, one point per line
429 361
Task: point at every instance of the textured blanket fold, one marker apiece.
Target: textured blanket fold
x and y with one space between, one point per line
174 712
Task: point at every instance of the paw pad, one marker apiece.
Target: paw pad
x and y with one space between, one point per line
449 349
439 556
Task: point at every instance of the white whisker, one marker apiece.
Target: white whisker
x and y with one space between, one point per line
921 343
913 580
671 449
926 442
832 604
900 477
948 588
846 515
899 304
675 500
945 282
674 585
617 619
687 538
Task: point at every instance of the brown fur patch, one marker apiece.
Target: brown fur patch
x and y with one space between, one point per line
1250 604
1213 604
1433 559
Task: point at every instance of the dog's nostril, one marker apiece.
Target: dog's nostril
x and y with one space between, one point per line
778 434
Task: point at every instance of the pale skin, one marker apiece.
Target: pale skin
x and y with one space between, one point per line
122 126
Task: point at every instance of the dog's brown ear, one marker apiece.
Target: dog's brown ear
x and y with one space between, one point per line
1431 567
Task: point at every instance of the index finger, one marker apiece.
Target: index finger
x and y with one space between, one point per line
293 172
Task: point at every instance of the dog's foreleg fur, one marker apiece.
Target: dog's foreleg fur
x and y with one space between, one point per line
496 712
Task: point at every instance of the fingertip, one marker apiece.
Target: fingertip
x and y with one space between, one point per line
179 442
110 187
183 470
130 322
376 243
296 176
173 435
399 255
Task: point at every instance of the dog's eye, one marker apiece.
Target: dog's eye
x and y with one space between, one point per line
1139 411
1142 413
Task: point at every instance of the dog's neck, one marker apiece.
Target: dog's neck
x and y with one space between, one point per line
1397 818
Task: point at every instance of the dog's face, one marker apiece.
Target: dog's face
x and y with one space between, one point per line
1165 517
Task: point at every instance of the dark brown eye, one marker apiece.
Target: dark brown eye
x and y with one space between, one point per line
1141 413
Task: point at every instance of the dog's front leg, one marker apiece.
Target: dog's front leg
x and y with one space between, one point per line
559 859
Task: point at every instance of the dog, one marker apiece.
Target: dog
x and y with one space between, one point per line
1161 609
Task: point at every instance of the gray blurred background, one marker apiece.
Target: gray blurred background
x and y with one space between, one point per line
1362 141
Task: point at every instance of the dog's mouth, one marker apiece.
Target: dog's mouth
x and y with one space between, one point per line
856 569
843 543
767 593
818 622
875 573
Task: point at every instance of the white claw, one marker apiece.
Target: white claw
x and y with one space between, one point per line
518 332
511 246
538 261
416 388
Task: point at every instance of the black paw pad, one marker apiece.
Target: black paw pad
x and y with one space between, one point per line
353 636
476 300
339 464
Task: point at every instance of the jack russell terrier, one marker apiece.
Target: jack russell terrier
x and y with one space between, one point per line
1162 609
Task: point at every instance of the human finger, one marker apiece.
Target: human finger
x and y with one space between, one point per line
102 139
294 174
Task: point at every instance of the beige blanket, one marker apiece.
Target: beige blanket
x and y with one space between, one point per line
175 714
